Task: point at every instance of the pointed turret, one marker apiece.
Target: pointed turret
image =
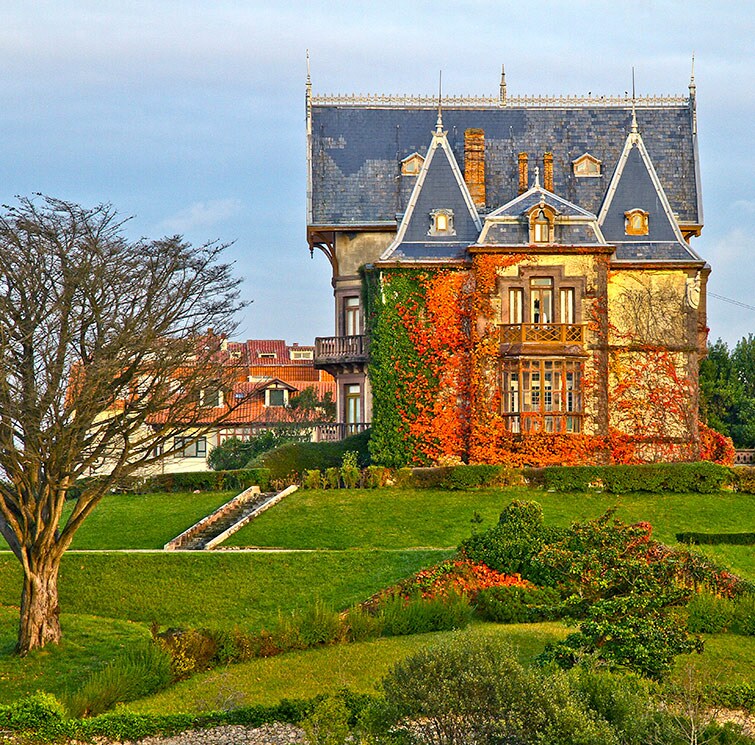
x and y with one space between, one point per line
636 215
441 220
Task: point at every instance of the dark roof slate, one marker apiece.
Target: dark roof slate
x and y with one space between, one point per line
357 150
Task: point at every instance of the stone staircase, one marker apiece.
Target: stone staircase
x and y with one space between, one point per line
212 530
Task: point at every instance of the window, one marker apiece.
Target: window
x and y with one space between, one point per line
636 222
541 299
542 395
275 397
186 447
441 222
516 303
586 166
353 401
541 224
267 355
351 316
412 165
211 397
301 354
566 304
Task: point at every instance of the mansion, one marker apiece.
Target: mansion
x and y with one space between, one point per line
513 276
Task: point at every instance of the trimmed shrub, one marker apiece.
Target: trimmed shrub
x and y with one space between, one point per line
715 539
703 477
207 481
478 476
519 604
709 614
289 461
133 675
511 545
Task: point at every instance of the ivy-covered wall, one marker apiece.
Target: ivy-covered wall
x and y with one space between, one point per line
436 379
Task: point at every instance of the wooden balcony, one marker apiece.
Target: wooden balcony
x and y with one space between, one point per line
339 354
542 333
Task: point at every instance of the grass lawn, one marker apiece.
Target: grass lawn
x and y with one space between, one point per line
304 674
143 520
340 519
217 589
88 643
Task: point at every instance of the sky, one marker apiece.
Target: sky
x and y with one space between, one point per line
189 117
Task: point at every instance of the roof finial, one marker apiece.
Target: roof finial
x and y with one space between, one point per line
309 76
439 123
692 86
634 111
536 185
502 87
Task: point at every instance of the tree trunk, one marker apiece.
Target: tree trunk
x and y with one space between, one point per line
40 613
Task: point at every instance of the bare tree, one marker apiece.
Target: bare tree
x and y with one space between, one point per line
104 355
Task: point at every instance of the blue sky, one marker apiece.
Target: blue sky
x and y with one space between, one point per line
189 116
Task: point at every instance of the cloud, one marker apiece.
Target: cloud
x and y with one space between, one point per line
200 215
745 205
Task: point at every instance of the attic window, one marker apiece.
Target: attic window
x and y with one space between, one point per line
586 165
636 222
301 354
412 165
441 222
541 225
267 355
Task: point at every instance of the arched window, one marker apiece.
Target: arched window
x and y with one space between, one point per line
541 225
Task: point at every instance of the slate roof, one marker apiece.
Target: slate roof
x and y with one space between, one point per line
356 152
509 224
439 184
636 185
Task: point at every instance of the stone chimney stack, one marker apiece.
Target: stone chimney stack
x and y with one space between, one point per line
474 164
523 173
548 171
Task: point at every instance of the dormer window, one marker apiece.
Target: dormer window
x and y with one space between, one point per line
586 165
412 165
441 222
267 355
636 222
541 225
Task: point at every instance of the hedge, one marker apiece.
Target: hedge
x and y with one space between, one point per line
41 717
702 477
715 539
240 479
457 477
290 461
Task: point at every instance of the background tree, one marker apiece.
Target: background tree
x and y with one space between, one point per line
727 390
104 354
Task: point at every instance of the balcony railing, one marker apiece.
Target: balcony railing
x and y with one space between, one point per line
542 333
337 431
341 349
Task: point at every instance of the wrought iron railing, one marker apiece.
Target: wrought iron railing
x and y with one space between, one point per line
337 348
542 333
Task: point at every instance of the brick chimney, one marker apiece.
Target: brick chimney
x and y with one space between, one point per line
548 171
523 173
474 164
